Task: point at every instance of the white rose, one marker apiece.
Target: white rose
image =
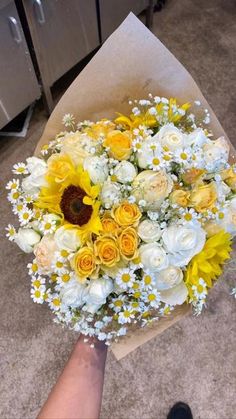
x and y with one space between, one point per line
77 146
216 153
153 257
183 242
72 294
97 292
26 239
125 172
197 137
67 238
176 295
168 278
152 187
171 137
96 168
228 223
110 194
149 231
37 168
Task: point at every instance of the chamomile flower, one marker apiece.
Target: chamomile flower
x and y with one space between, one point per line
125 316
137 145
13 184
68 120
33 268
11 232
148 280
165 310
14 196
48 227
20 169
152 297
117 304
58 266
189 214
45 149
125 278
28 199
25 215
200 290
64 277
54 302
37 294
37 281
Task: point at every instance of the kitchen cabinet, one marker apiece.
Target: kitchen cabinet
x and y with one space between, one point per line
63 32
18 82
113 12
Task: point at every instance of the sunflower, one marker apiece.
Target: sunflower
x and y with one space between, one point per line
69 193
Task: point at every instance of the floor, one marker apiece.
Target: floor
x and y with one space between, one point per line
193 361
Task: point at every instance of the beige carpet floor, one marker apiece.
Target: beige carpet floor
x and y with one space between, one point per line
193 361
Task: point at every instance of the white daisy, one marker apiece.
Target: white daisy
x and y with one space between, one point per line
125 316
14 196
125 278
152 297
37 294
20 169
13 184
17 208
48 227
54 302
64 277
25 215
200 290
11 232
37 281
148 280
33 268
165 310
68 120
58 266
117 304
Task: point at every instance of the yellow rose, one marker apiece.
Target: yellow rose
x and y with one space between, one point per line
106 250
180 197
84 263
126 214
203 198
212 228
192 176
99 129
74 146
152 187
128 243
60 167
109 226
119 144
229 176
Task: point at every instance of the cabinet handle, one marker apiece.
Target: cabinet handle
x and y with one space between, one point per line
39 12
15 30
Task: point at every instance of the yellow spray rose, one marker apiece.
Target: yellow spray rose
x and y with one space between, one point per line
106 250
84 263
212 228
109 225
60 167
180 197
128 243
229 176
203 198
126 214
193 176
119 144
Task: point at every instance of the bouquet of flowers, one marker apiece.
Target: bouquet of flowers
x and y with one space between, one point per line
126 218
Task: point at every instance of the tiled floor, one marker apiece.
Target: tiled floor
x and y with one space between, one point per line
193 361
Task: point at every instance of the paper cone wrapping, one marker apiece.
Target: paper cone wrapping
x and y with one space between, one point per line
129 65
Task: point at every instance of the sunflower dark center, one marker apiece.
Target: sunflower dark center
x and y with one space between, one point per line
73 208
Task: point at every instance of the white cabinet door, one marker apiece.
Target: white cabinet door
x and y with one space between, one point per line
18 82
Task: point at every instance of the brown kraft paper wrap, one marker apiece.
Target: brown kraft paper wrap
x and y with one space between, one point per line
129 65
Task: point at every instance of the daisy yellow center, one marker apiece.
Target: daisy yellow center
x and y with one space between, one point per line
56 302
37 294
135 286
20 169
200 288
59 264
16 195
25 216
64 253
221 215
36 283
151 297
165 148
137 294
147 279
135 304
34 267
13 186
11 231
118 303
113 178
126 277
54 277
183 156
153 147
214 210
188 217
47 226
19 207
166 157
126 313
65 277
156 161
138 146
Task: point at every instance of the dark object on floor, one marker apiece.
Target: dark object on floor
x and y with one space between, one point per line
180 410
159 5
